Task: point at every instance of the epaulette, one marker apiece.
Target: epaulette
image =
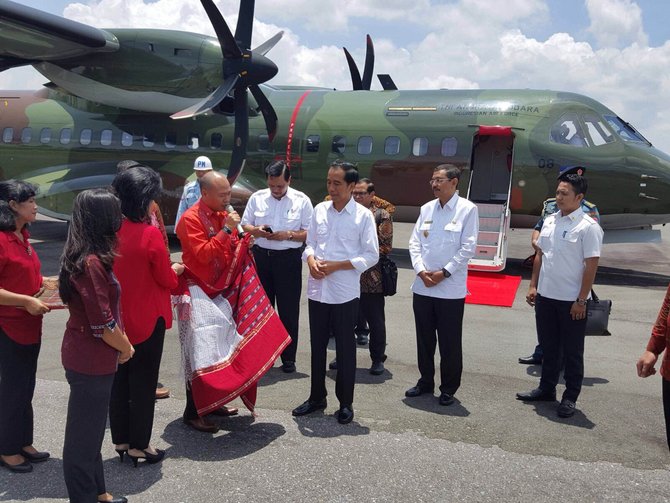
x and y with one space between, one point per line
588 204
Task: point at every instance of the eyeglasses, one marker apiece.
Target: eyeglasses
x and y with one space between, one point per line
360 194
438 180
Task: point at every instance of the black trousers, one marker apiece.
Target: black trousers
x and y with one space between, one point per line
439 321
84 432
280 272
666 408
372 309
561 338
18 366
338 319
131 409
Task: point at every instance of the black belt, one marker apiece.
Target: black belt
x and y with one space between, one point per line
270 253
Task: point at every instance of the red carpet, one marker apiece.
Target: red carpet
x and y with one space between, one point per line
491 288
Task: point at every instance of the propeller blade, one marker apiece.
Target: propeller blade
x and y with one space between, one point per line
353 70
268 44
229 47
369 64
266 109
241 135
387 82
210 101
245 21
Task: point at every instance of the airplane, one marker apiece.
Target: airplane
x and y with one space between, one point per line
164 97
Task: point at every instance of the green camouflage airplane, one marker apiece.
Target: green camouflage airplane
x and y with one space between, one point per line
164 97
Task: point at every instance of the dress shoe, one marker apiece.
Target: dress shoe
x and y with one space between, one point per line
115 499
537 395
309 406
24 467
162 392
345 414
362 339
201 424
446 399
566 409
288 367
225 411
148 457
35 457
377 368
333 365
417 390
531 360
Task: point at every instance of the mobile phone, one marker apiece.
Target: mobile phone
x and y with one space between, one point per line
267 228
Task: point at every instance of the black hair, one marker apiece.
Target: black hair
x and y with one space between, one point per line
578 182
137 187
350 170
278 168
96 218
13 190
451 171
127 164
371 186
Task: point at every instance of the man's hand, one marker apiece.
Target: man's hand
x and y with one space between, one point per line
577 311
427 278
232 220
260 232
315 268
124 356
645 365
178 268
531 296
278 236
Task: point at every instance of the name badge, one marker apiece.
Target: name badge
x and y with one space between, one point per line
425 227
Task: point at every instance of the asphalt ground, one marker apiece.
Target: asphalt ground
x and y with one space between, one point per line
487 447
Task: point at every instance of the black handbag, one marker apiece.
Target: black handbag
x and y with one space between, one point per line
597 315
389 275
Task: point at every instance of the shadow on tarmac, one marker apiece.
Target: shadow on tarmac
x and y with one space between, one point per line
429 403
321 425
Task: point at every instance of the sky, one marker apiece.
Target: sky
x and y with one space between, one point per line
615 51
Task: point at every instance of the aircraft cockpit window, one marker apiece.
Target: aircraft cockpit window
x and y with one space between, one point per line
420 146
216 141
449 147
193 141
625 130
65 136
263 142
339 144
365 145
392 145
106 137
568 131
26 135
126 139
313 143
8 135
45 135
85 136
148 140
598 132
171 140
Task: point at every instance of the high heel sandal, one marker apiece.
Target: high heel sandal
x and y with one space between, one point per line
121 452
148 457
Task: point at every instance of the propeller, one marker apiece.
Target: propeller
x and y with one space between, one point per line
243 69
363 84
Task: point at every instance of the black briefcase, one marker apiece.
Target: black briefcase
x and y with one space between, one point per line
597 315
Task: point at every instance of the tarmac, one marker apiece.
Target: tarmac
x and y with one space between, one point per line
487 447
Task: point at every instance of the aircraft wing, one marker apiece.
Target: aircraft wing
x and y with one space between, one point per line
29 35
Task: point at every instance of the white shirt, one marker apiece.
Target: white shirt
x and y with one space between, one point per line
444 237
350 234
565 242
292 212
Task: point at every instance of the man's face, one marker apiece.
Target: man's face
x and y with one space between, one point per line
199 173
443 188
338 189
217 195
362 195
278 186
567 200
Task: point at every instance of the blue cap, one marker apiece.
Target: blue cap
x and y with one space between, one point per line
572 170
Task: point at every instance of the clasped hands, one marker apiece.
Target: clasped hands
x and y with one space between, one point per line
431 278
319 269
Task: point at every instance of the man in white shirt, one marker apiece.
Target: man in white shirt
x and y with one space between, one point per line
563 272
341 244
443 240
191 194
278 218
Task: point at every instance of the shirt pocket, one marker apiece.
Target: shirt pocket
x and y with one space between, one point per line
452 232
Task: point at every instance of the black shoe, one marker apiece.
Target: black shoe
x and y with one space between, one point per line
377 368
446 399
417 390
121 453
531 360
345 414
333 365
36 457
148 457
309 406
24 467
537 395
362 339
566 409
288 367
117 499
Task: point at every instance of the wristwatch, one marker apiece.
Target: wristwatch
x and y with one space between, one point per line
445 272
227 229
581 302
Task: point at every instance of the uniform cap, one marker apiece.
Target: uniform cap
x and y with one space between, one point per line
572 170
202 163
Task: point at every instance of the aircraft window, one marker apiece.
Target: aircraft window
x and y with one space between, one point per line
598 132
263 142
216 141
420 146
8 134
26 135
339 144
449 147
106 137
65 136
365 145
624 129
126 139
85 136
171 140
392 145
568 131
193 141
313 143
148 139
45 135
